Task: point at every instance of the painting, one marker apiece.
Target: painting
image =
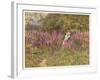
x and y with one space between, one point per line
56 39
52 40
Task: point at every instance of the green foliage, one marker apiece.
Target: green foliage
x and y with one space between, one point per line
64 22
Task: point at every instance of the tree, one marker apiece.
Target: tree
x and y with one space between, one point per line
64 22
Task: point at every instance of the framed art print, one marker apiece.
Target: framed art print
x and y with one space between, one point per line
52 39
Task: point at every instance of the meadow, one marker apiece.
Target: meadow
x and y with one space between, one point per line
44 45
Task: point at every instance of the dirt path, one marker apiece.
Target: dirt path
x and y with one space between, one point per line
43 63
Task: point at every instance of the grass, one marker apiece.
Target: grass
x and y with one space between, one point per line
61 57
